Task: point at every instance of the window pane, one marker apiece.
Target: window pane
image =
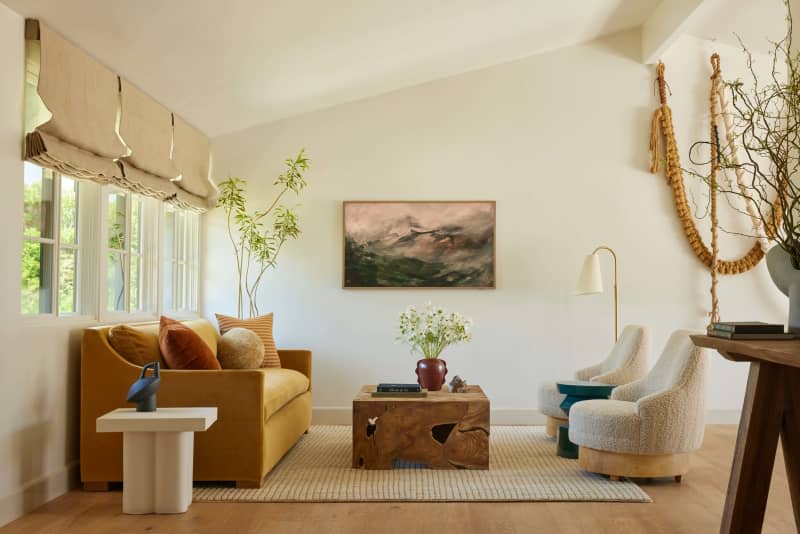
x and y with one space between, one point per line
169 234
37 277
39 201
136 283
180 286
116 282
136 224
69 210
168 285
67 280
116 220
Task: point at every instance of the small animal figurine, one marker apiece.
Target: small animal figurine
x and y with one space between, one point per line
143 391
458 385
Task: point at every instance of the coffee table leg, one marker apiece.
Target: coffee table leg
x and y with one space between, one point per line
138 457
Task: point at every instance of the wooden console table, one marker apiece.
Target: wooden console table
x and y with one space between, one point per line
771 409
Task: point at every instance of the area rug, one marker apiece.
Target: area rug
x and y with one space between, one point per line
523 467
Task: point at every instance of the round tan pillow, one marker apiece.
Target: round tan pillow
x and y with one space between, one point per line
240 348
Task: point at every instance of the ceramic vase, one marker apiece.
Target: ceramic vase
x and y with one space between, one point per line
431 373
787 278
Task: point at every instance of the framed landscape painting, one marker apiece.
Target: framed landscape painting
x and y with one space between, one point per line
423 244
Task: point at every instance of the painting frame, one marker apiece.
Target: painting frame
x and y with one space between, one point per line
493 252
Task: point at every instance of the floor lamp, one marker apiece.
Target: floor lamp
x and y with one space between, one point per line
590 281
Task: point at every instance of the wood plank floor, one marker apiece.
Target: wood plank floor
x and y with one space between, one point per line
694 507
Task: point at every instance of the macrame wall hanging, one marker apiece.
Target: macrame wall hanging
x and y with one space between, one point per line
662 124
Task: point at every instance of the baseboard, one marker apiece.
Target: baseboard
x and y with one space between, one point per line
37 492
343 415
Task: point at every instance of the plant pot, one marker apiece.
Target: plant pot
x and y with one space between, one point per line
787 278
431 373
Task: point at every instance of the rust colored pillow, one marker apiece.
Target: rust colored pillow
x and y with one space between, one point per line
260 325
182 348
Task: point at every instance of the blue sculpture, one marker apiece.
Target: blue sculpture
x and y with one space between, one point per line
143 391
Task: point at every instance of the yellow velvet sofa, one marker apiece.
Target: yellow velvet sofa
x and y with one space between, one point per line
261 412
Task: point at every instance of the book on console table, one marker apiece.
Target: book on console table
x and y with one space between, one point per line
748 327
399 388
402 394
733 335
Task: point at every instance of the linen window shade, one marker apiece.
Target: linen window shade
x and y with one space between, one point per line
80 139
192 156
86 122
146 127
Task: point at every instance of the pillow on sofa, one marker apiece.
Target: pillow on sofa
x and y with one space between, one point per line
240 348
183 348
136 346
260 325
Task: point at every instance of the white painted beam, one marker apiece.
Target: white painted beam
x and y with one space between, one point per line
664 25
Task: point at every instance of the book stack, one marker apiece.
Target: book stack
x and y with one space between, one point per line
748 330
399 390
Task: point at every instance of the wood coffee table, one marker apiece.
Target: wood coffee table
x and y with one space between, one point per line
443 430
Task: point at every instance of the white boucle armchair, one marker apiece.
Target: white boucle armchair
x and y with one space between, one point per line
649 427
626 362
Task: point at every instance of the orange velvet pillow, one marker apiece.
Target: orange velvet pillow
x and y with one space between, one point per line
182 348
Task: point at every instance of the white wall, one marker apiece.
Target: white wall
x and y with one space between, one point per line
40 359
560 141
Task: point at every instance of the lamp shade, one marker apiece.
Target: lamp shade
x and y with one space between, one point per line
591 279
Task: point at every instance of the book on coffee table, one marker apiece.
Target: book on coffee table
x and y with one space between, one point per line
399 388
748 327
403 394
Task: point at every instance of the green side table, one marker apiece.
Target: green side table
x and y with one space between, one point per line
576 391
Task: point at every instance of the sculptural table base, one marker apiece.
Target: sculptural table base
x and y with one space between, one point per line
576 391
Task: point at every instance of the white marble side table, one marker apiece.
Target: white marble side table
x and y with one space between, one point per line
157 450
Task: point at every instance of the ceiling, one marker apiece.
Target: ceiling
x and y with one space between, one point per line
756 22
225 65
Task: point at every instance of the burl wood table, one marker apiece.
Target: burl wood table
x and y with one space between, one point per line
771 408
444 430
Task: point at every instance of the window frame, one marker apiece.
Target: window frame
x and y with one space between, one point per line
57 246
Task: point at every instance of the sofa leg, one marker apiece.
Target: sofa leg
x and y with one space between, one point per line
248 484
96 486
678 478
614 478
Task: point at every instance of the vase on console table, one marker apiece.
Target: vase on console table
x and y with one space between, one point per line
787 279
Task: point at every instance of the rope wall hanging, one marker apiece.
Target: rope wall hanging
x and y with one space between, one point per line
662 126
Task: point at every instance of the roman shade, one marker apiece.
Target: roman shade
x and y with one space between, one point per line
146 127
192 156
103 128
80 138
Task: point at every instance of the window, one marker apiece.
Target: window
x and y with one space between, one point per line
130 222
50 249
180 265
87 246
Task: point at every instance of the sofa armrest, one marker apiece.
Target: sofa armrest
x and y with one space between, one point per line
297 359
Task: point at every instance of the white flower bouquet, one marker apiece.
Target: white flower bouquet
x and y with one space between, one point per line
433 330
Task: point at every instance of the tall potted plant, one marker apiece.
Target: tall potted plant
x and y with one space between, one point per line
429 333
258 237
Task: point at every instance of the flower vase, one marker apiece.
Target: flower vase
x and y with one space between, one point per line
431 373
787 279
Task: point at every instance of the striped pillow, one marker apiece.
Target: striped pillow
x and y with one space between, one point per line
260 325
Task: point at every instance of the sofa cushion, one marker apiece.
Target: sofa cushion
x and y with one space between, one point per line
240 348
260 325
136 346
280 387
183 348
